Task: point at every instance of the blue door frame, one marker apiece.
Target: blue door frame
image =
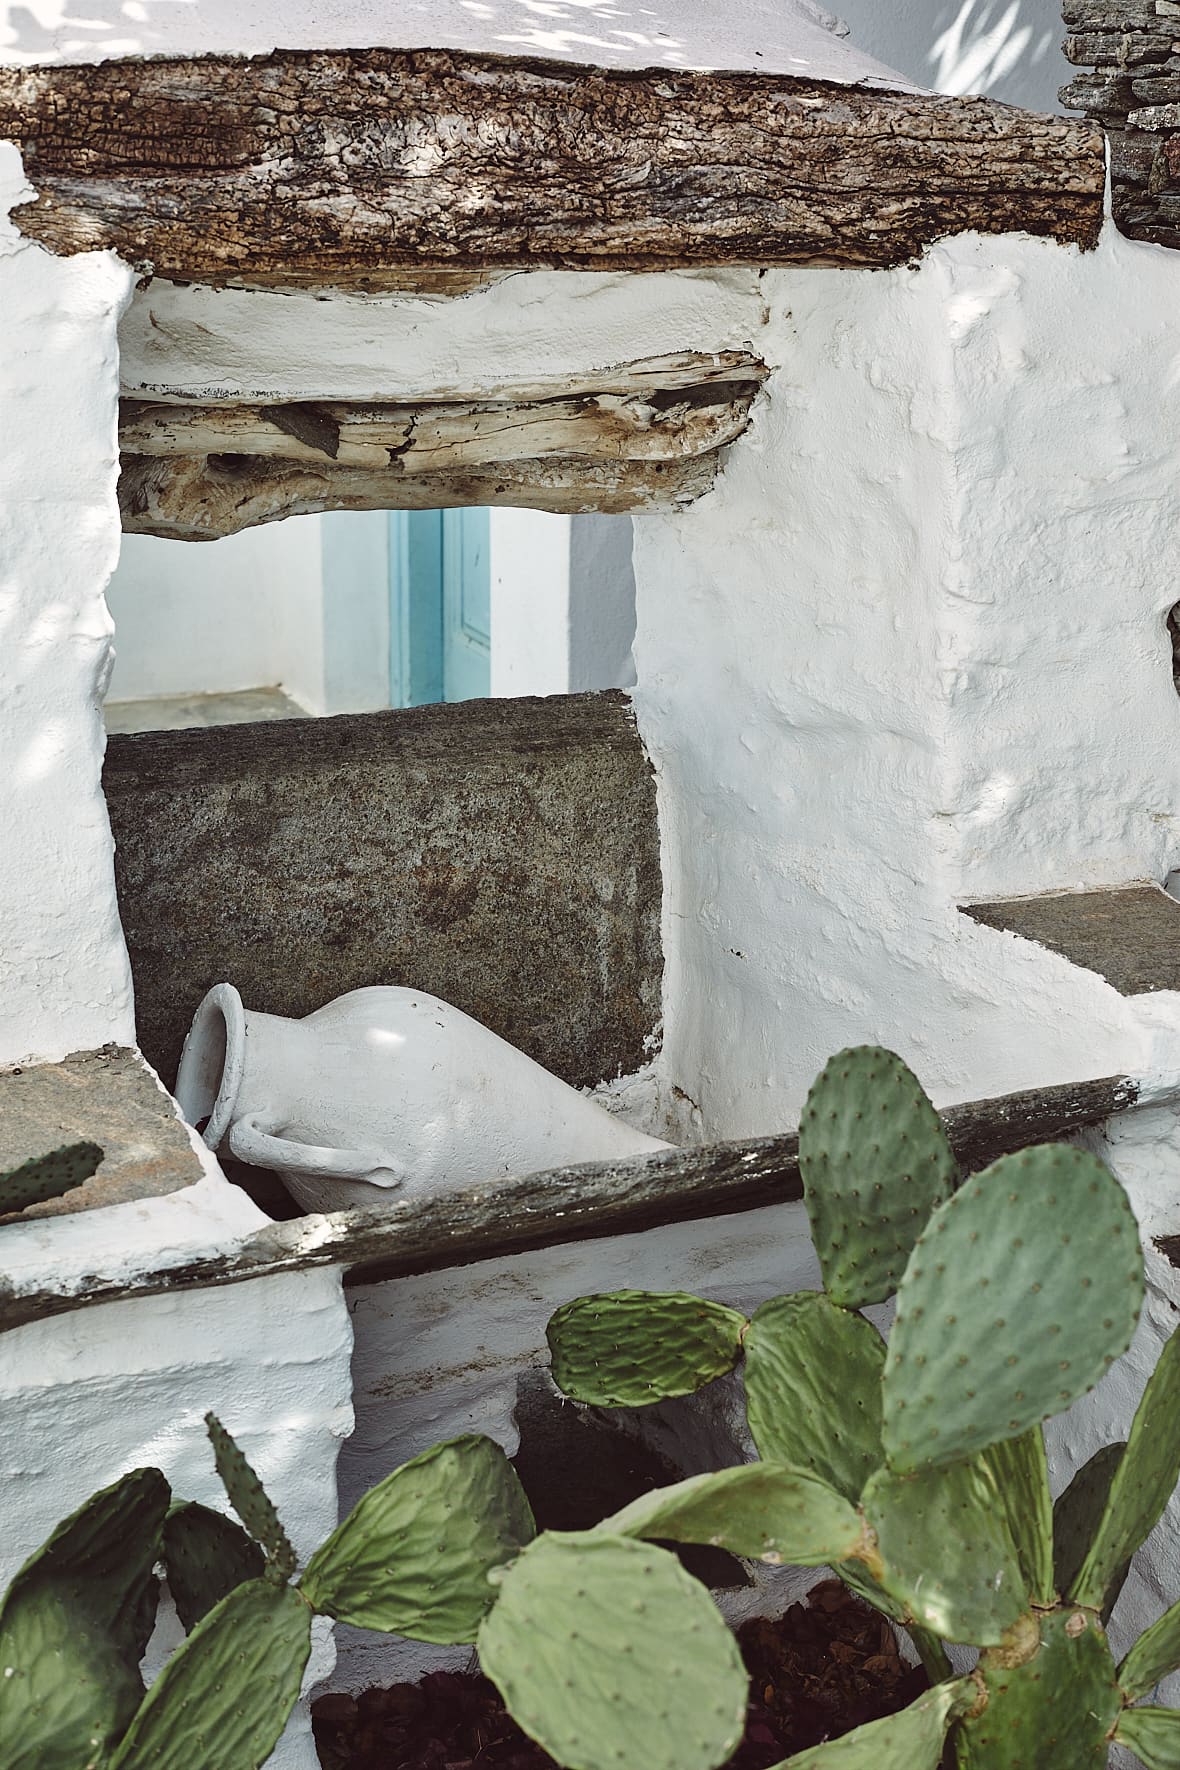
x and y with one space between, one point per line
440 606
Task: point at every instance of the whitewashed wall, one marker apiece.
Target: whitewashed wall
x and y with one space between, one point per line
1010 49
218 616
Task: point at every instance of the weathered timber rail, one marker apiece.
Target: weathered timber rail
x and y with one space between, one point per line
570 1204
343 169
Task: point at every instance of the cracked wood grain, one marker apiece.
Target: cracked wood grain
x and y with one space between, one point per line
333 168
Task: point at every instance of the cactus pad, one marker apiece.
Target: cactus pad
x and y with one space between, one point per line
206 1555
761 1510
1155 1655
1022 1476
948 1557
73 1626
1052 1712
225 1695
629 1348
910 1740
48 1176
612 1658
1077 1514
250 1501
1021 1291
813 1389
1153 1735
1142 1483
413 1556
875 1162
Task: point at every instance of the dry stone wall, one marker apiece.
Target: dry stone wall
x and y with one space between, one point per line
1130 53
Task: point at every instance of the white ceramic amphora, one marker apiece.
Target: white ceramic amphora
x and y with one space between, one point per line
384 1087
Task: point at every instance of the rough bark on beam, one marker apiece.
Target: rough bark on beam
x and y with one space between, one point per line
187 498
573 1204
314 166
423 438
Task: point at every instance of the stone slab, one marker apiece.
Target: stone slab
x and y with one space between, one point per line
108 1097
1130 936
502 854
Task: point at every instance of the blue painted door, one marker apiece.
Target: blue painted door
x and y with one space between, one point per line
440 606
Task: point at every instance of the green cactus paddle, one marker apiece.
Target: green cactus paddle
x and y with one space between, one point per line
948 1557
1020 1293
205 1556
250 1501
48 1176
629 1348
224 1697
813 1389
1077 1514
875 1162
73 1627
760 1510
1052 1711
612 1658
1142 1483
1021 1471
1153 1734
413 1556
910 1740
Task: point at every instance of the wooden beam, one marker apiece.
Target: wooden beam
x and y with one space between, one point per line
1130 934
196 472
572 1204
188 498
331 168
660 425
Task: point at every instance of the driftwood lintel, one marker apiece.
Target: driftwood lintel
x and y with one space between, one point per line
349 169
575 1204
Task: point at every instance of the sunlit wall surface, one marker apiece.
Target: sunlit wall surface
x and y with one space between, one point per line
1010 49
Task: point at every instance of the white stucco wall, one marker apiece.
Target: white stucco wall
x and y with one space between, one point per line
64 980
1010 49
244 612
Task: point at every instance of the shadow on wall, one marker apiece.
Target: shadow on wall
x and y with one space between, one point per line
1009 49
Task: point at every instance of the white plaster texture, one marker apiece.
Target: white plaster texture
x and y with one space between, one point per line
88 1396
64 980
764 36
530 602
244 612
1010 49
911 652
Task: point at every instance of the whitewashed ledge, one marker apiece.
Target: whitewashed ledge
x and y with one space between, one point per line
211 1234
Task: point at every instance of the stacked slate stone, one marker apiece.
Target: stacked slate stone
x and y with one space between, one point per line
1132 49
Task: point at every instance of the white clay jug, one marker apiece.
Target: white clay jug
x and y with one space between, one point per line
382 1088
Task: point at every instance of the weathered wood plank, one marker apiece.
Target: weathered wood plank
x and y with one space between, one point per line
662 425
501 854
314 166
187 498
1130 936
573 1204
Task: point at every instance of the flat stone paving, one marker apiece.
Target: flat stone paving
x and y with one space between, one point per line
109 1097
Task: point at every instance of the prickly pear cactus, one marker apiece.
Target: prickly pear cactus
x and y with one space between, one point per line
910 1740
629 1348
813 1389
249 1500
225 1695
1020 1293
73 1628
205 1556
48 1176
875 1162
414 1555
612 1658
1052 1699
759 1510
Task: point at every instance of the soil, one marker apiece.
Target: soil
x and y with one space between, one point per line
829 1664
